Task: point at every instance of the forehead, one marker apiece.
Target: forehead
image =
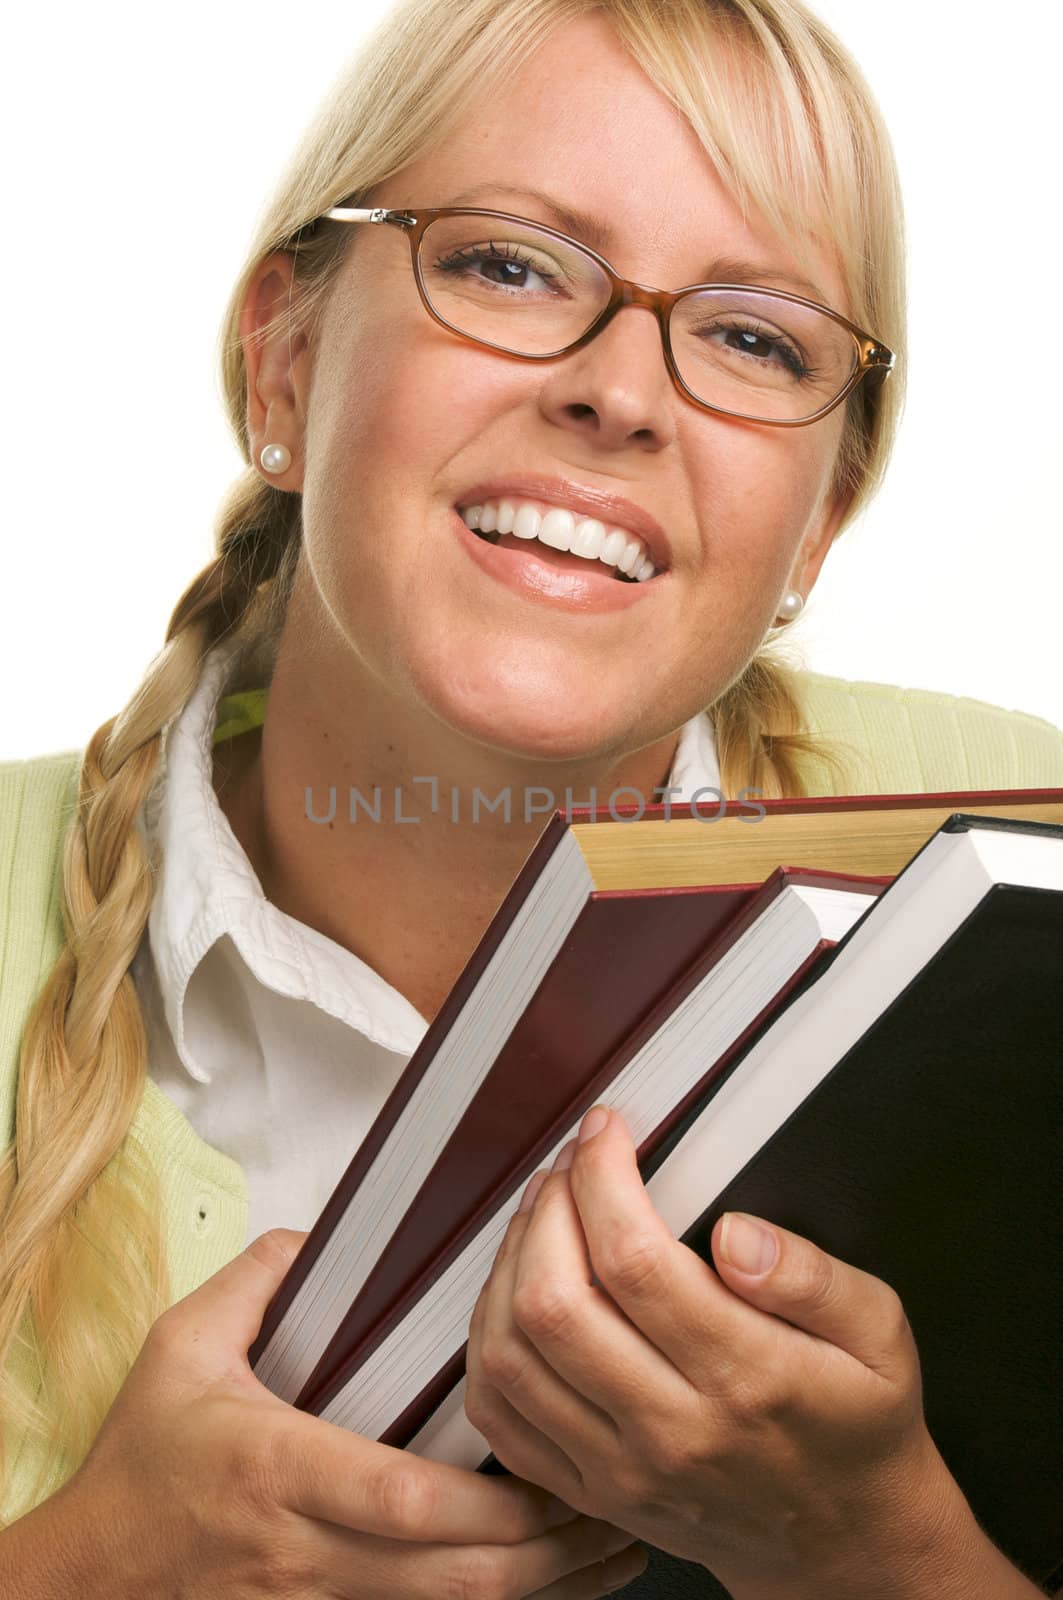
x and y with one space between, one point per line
579 137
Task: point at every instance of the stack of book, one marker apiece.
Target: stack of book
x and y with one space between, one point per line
844 1015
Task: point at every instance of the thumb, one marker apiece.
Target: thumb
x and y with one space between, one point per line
227 1310
782 1273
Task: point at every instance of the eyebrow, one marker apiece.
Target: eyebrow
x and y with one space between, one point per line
725 269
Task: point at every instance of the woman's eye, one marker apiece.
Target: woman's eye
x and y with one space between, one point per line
751 344
506 271
496 267
763 347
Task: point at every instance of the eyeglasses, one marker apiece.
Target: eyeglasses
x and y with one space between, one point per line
529 291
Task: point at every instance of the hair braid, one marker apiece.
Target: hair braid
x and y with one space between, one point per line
81 1246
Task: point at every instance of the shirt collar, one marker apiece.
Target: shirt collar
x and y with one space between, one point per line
694 765
206 887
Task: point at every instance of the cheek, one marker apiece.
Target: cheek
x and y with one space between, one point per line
389 414
399 395
372 434
760 491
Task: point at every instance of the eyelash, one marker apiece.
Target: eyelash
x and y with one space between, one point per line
500 252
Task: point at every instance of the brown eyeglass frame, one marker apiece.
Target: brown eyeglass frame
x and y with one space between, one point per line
873 354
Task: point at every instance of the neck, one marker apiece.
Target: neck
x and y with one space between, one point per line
411 898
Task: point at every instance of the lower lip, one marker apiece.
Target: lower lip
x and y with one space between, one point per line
535 579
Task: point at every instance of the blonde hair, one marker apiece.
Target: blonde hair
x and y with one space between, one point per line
788 121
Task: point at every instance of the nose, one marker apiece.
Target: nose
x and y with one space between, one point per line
617 387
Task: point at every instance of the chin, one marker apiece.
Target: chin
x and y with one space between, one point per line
553 728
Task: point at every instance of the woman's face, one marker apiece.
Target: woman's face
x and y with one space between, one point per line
396 421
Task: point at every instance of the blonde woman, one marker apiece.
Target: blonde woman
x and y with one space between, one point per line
211 985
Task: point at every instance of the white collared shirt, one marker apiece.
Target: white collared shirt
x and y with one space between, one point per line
279 1045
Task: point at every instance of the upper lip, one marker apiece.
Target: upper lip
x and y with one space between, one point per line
612 509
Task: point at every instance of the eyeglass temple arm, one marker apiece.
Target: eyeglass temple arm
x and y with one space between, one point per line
371 214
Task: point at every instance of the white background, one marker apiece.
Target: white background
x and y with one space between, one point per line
140 144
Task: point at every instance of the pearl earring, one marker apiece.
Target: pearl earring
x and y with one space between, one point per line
275 458
790 606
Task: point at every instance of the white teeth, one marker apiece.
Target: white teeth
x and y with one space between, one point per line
563 530
631 557
613 547
588 539
526 523
557 528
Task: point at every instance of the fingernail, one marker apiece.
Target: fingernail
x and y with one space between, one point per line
593 1123
534 1185
564 1156
746 1243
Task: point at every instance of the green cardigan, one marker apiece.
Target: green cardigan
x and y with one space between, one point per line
899 740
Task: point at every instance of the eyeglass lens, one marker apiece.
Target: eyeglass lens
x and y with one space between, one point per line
744 351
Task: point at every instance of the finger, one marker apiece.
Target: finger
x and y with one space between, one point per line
521 1406
337 1476
699 1325
493 1569
787 1275
360 1567
524 1450
575 1327
227 1310
603 1577
476 1384
575 1551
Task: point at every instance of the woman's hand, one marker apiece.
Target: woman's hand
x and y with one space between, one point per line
202 1483
769 1426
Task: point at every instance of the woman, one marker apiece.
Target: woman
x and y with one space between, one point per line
406 640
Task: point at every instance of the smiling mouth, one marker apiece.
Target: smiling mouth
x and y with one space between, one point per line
563 559
560 537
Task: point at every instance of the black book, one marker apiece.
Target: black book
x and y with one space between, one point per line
904 1113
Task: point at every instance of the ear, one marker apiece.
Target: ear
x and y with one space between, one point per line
817 541
278 368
